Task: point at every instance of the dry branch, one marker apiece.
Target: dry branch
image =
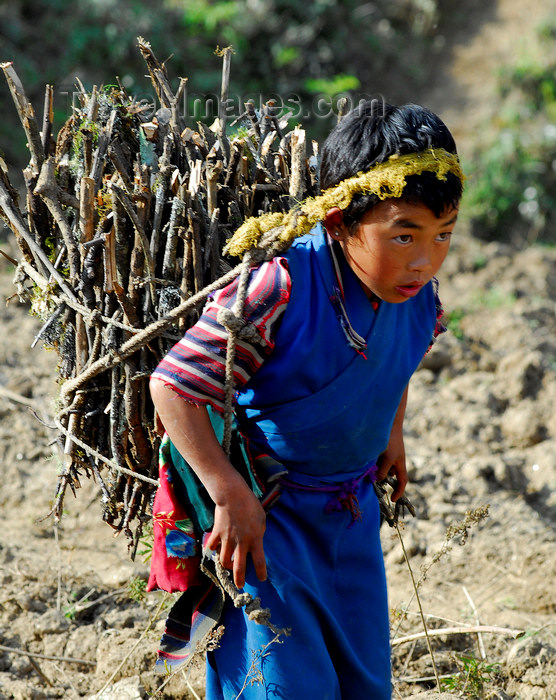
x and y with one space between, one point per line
449 631
120 246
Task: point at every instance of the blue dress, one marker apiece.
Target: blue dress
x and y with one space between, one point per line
324 409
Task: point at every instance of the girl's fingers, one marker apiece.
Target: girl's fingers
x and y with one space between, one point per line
213 542
397 492
236 560
227 554
401 482
259 561
239 563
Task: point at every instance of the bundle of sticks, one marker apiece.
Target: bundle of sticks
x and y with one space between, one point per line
120 231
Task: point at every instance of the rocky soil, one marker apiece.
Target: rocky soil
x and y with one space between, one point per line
481 430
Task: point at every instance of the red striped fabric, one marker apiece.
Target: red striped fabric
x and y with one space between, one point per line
195 366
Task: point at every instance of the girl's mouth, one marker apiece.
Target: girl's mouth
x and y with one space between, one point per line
409 290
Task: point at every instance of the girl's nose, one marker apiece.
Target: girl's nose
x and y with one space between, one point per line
421 263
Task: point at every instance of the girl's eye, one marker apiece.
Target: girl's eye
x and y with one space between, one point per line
444 236
404 238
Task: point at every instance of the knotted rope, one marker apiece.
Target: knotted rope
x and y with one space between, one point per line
234 322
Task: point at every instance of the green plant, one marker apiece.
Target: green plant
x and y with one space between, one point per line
73 606
452 320
279 45
471 678
137 588
333 86
70 609
512 179
146 540
494 298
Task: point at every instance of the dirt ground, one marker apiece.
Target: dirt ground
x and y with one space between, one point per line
480 430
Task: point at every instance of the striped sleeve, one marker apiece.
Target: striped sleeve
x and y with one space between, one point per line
195 367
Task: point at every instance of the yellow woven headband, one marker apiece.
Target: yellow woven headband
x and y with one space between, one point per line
385 180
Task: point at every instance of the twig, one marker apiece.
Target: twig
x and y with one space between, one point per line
49 190
448 631
59 565
144 633
26 114
297 180
169 259
255 675
33 655
49 321
91 603
8 257
18 398
222 116
72 302
455 529
102 458
13 217
128 206
48 118
423 679
423 620
190 687
145 335
478 622
40 672
158 73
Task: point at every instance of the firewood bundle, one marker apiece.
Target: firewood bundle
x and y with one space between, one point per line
120 238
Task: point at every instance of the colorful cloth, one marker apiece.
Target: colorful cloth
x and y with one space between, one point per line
322 405
183 514
195 366
176 552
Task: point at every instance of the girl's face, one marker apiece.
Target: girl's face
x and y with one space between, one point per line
398 247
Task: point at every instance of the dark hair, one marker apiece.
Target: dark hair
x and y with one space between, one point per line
373 132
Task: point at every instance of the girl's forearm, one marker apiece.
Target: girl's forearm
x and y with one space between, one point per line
397 426
239 518
191 432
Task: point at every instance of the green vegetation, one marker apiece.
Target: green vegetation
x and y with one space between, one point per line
306 57
512 186
137 589
452 320
281 48
471 678
492 298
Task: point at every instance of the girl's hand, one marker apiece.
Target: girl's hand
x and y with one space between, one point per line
239 525
392 461
239 518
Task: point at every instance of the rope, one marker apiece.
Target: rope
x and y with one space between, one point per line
101 457
252 605
237 323
232 319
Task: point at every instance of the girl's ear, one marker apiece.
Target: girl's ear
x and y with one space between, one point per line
334 224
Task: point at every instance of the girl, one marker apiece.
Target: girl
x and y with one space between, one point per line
343 318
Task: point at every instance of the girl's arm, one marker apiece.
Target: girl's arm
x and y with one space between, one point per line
392 460
239 518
